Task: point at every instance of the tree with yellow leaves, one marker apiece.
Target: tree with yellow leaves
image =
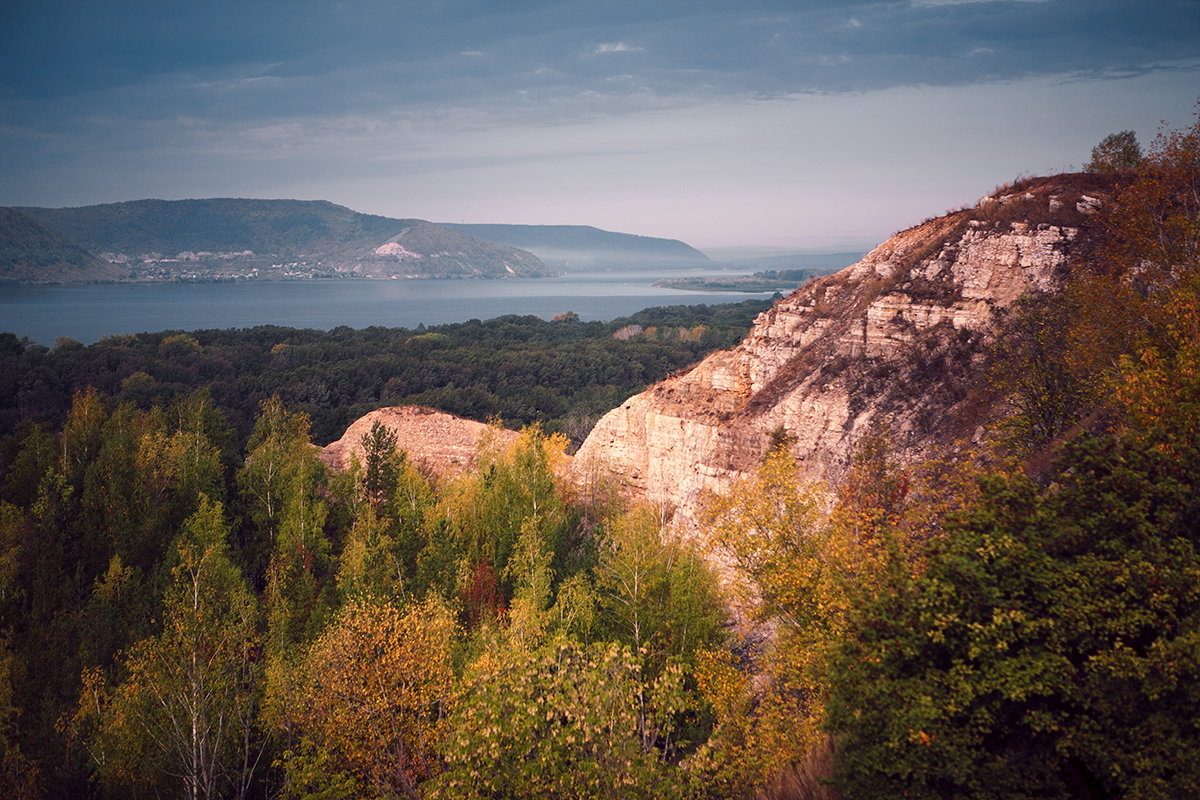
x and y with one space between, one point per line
807 559
562 721
181 721
485 513
771 527
370 697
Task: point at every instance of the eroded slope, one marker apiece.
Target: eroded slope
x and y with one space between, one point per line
897 338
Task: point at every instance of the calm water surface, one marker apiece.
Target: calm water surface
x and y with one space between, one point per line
88 313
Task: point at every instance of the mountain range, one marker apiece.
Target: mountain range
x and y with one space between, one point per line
240 239
582 247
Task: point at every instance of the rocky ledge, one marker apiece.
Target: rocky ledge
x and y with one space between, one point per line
897 339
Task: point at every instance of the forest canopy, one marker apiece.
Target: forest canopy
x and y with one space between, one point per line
561 374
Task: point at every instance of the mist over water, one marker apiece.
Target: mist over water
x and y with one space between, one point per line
89 313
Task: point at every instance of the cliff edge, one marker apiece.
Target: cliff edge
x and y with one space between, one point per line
896 339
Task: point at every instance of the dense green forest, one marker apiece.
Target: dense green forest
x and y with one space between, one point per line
190 612
29 250
562 373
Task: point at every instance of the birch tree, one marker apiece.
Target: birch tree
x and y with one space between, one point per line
181 720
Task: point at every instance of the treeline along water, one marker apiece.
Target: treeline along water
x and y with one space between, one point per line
89 313
523 369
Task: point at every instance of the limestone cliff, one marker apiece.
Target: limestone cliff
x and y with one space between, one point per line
439 443
898 338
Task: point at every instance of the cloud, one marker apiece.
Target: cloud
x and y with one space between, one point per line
234 84
925 3
280 97
833 59
616 47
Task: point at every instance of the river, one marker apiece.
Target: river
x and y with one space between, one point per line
90 312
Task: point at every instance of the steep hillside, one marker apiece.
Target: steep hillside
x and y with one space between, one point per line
181 236
895 339
32 253
425 249
582 247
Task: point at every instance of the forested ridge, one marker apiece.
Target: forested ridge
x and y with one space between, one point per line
193 610
29 249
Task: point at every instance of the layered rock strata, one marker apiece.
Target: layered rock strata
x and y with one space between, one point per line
897 339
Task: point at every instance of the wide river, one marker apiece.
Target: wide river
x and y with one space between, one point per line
89 313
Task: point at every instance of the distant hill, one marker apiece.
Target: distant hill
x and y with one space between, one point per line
32 253
423 248
283 227
771 280
824 262
582 247
226 237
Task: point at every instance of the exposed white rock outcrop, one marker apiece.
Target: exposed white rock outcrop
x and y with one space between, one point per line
440 443
897 338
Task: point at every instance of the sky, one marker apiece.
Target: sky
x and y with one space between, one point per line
817 125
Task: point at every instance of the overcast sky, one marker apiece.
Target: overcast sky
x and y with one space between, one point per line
780 123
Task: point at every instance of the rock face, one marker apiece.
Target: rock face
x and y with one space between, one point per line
896 339
441 444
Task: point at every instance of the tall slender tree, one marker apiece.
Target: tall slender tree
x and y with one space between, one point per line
181 720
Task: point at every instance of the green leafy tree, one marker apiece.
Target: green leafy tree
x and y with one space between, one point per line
1049 648
384 546
1117 152
37 452
81 435
562 721
198 448
485 514
282 486
379 454
279 464
369 565
1032 365
299 594
300 572
46 631
529 572
768 527
181 720
18 773
655 592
